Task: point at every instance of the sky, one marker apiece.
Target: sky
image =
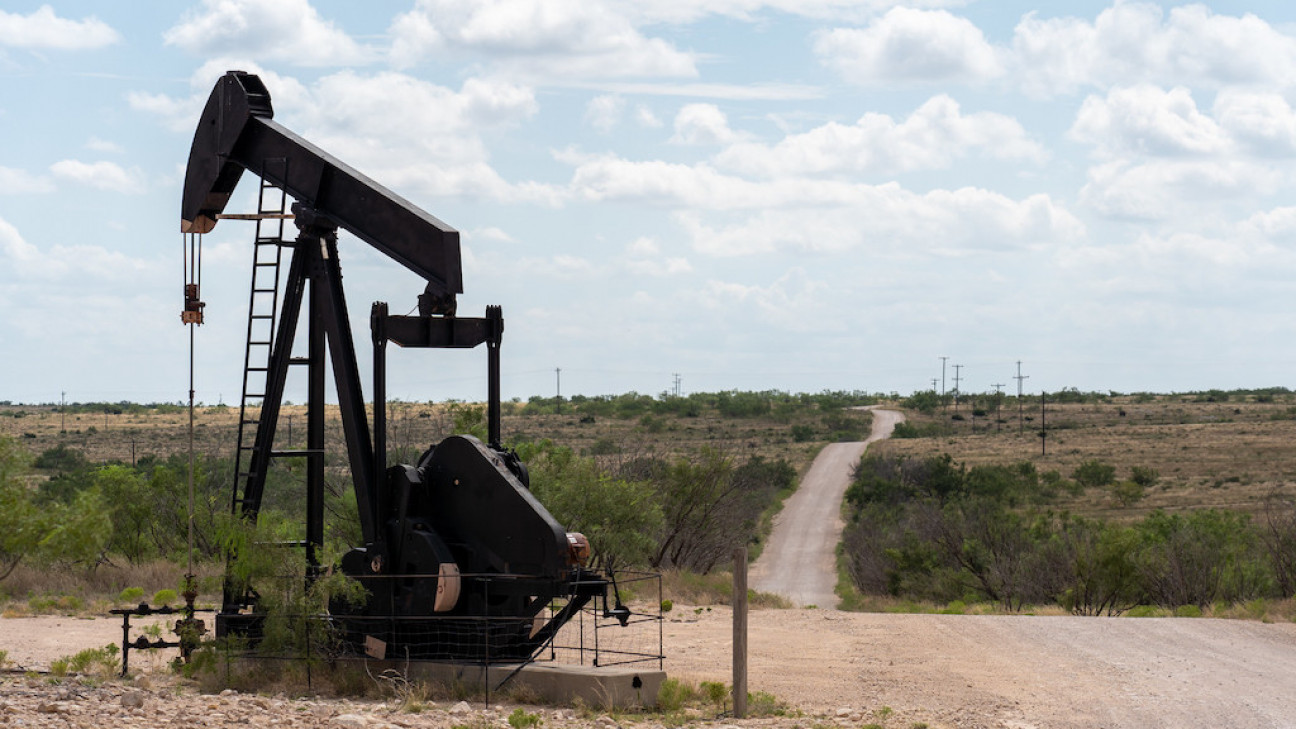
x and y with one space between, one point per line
798 195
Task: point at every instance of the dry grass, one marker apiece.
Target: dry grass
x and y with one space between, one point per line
412 427
1225 455
40 589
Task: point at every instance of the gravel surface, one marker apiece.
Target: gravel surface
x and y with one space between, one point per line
831 668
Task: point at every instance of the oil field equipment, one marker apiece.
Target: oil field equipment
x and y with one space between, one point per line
460 561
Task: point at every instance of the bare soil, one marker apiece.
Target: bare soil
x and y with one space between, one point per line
831 668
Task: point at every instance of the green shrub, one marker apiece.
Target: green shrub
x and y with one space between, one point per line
521 719
674 694
761 703
95 661
715 692
1094 473
1143 476
131 595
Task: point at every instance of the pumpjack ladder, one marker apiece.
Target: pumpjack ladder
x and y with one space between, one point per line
263 306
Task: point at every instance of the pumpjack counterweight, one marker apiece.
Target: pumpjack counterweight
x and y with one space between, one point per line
454 545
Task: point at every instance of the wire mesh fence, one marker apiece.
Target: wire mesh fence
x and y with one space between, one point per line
499 619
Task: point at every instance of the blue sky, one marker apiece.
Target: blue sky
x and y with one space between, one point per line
798 195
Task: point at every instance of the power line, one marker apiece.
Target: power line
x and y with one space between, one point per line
957 367
1021 425
942 359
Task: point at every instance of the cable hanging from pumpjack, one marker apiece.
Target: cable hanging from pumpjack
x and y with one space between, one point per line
189 627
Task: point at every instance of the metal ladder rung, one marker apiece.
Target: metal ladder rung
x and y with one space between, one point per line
263 305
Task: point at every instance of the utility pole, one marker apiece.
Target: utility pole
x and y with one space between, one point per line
942 359
957 367
933 384
1043 427
558 384
998 386
63 411
677 384
1021 424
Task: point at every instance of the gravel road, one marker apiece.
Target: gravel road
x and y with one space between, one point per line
799 561
838 669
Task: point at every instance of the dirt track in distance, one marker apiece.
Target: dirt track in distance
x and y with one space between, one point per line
800 560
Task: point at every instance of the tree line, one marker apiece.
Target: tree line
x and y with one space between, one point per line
685 512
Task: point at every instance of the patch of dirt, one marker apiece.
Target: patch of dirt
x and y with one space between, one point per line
835 668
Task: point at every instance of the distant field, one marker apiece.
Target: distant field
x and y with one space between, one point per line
1223 454
1208 454
415 426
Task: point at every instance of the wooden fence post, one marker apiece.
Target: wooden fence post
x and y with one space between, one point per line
740 632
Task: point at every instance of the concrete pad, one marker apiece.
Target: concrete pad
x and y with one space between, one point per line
604 687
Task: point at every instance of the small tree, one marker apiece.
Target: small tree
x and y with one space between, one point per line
1094 473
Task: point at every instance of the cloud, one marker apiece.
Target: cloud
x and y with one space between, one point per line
644 258
1159 157
793 302
281 30
24 262
102 145
889 221
1134 42
604 112
410 134
540 40
1261 123
932 137
43 30
755 11
15 181
101 175
645 117
1146 120
908 45
703 124
1161 189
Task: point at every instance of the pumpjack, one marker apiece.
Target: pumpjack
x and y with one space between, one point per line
460 560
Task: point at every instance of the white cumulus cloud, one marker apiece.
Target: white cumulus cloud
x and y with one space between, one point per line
101 175
932 137
604 112
541 40
282 30
1134 42
14 181
909 45
1147 120
44 29
703 124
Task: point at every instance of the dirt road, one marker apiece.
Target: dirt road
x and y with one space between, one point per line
1019 672
966 671
799 562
